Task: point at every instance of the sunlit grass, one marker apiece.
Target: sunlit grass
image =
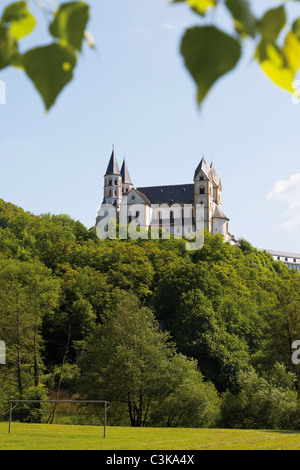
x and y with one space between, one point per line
61 437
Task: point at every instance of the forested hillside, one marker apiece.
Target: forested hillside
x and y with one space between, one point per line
79 317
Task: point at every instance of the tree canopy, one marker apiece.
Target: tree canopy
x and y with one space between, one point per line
170 336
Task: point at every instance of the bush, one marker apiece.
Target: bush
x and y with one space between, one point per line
268 401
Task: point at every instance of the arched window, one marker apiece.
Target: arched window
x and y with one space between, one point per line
109 182
116 182
137 214
202 190
172 216
110 192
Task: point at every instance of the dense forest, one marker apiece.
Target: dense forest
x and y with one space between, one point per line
169 337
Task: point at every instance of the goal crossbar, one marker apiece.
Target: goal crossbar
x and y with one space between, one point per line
57 401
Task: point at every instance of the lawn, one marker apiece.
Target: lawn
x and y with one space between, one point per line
62 437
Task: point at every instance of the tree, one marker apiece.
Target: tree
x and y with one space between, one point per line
266 400
189 400
126 360
129 361
28 293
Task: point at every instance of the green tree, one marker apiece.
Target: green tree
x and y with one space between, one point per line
189 401
127 360
266 400
28 293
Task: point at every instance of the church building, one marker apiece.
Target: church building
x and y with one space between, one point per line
168 207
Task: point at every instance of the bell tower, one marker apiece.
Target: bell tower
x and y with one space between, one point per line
113 182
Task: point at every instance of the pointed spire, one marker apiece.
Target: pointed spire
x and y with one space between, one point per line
125 174
204 167
113 167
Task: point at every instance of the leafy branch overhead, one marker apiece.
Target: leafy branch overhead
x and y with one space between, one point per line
50 67
210 53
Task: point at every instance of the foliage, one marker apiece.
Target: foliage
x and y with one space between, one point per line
266 401
210 53
130 361
50 67
70 302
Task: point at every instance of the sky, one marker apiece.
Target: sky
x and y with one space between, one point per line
134 92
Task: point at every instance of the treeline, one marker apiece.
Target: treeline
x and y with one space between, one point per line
169 337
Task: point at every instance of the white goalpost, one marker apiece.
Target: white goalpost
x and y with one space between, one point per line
11 408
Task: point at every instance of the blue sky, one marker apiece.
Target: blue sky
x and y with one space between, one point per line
135 93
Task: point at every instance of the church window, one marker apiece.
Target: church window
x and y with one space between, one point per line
116 182
115 192
201 178
110 182
132 197
137 214
110 192
172 216
202 190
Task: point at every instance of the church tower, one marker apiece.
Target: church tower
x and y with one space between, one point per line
203 191
126 181
113 182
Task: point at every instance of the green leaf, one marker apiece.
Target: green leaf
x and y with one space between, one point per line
272 23
199 6
245 21
8 47
296 28
279 64
209 53
21 21
70 22
50 68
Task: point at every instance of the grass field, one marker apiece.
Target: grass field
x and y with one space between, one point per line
59 437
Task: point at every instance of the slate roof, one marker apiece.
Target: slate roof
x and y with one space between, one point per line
113 167
219 214
216 177
204 167
171 194
209 171
125 173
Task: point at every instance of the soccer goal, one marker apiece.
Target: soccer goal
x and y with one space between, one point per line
16 402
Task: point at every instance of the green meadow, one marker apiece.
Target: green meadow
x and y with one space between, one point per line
62 437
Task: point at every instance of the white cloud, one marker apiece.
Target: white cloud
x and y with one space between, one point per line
168 26
288 191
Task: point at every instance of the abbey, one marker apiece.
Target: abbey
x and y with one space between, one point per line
165 206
